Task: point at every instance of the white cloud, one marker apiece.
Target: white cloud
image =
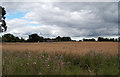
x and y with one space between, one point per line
60 0
64 19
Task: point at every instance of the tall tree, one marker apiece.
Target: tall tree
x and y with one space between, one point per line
3 26
58 38
33 38
9 38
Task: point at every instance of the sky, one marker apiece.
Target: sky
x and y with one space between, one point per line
51 19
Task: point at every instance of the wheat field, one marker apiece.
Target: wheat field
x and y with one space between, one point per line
99 58
79 48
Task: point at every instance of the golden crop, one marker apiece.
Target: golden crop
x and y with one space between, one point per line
62 47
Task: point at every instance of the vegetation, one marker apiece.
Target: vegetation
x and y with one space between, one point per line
32 63
107 39
43 63
36 38
3 26
89 39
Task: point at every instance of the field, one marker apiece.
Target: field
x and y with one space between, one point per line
60 58
61 47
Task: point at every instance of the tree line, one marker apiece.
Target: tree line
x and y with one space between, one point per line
36 38
33 38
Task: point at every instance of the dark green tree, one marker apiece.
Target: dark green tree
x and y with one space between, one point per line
66 39
41 39
119 39
33 38
58 38
89 39
17 39
9 38
3 26
100 39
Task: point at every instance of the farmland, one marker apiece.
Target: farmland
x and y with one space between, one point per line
60 58
61 47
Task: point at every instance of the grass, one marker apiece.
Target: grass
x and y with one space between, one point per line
32 63
60 47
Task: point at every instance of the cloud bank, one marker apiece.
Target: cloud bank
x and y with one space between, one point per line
52 19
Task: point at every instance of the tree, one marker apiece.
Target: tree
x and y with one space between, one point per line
100 39
17 39
41 39
118 39
9 38
89 39
33 38
66 39
22 40
3 26
58 38
112 39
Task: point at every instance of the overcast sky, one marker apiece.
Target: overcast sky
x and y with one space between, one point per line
52 19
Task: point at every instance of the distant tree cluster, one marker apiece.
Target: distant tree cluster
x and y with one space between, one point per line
89 39
11 38
37 38
108 39
102 39
63 39
33 38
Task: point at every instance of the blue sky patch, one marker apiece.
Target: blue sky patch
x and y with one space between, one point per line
15 15
34 25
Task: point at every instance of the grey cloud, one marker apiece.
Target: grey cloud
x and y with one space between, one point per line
67 18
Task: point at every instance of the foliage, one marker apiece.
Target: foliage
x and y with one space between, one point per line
11 38
58 38
36 38
89 39
106 39
66 39
32 63
3 26
63 39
